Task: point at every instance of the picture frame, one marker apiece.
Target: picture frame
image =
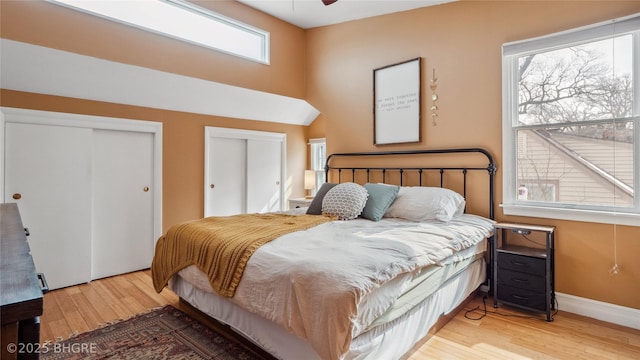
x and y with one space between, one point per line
397 103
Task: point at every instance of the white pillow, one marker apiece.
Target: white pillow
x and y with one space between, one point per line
345 201
419 203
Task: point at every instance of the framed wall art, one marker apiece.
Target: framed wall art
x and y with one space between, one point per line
397 103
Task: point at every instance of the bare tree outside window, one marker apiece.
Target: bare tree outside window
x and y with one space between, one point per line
574 127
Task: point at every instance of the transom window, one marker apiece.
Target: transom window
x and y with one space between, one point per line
183 21
571 114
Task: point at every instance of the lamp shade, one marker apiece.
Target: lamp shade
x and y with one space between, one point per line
309 179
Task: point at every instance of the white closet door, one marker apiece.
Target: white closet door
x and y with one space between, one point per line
49 168
243 171
122 208
227 177
264 164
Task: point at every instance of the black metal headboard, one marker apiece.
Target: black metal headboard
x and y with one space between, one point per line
491 168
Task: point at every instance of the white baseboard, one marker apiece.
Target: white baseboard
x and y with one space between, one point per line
612 313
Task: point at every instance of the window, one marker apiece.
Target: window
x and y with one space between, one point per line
183 21
318 159
571 123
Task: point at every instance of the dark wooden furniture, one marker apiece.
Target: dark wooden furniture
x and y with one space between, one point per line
523 267
21 300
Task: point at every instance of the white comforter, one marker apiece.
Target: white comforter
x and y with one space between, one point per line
315 282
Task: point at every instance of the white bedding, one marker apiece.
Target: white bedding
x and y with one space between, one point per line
325 284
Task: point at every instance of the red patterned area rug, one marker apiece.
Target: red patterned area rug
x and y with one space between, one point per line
166 333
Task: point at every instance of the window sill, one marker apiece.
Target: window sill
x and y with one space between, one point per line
593 216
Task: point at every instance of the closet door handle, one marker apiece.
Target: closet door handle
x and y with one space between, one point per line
17 196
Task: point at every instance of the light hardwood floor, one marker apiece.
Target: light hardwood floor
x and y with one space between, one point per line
502 334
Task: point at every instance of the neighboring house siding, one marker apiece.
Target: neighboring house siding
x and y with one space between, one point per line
572 182
600 153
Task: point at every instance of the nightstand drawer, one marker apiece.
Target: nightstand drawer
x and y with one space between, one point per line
531 265
521 280
299 203
522 297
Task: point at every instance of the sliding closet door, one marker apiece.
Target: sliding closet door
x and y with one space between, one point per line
88 188
264 164
226 170
47 173
122 210
243 171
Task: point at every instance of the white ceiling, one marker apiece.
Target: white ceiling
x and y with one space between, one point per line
313 13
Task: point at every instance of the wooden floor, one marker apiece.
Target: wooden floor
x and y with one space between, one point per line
501 334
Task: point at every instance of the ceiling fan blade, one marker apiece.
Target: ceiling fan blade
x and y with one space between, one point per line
328 2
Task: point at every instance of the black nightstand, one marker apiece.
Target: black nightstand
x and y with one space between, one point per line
523 267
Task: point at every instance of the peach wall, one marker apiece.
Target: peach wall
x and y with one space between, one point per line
462 41
46 24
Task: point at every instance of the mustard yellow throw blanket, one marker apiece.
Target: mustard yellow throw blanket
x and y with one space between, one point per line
221 246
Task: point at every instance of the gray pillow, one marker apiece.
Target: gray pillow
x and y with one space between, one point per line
380 198
315 208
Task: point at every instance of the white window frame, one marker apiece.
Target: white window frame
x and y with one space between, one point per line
198 21
318 147
510 54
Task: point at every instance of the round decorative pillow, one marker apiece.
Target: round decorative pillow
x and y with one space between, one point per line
345 201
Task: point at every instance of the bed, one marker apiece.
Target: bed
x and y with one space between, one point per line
368 286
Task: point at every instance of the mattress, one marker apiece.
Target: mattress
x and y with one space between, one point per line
414 287
388 341
352 277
